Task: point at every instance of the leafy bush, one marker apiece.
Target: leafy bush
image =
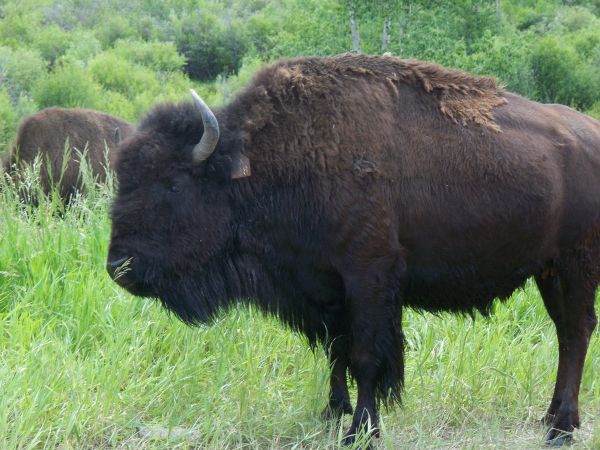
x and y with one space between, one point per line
261 32
67 86
52 42
594 111
112 29
24 105
210 45
117 104
118 74
160 56
153 28
174 88
8 120
562 76
17 28
83 47
20 69
586 42
504 58
174 85
321 33
228 87
575 18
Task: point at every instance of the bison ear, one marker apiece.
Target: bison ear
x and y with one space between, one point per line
117 135
239 164
240 167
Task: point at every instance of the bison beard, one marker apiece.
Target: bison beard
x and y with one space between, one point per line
333 192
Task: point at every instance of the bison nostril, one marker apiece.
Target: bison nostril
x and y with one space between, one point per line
117 267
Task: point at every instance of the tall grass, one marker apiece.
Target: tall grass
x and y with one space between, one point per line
85 365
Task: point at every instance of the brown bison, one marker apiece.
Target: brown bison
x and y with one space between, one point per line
47 133
334 192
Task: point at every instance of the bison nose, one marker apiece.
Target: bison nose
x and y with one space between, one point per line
115 267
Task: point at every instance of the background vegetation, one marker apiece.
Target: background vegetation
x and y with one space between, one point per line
123 57
85 365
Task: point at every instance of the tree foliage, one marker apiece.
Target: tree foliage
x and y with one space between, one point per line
123 57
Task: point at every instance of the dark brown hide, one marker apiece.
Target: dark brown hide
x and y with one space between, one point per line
377 183
46 132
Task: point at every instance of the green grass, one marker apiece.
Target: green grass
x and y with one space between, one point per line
85 365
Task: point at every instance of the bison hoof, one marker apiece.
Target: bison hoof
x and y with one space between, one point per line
351 441
360 439
557 438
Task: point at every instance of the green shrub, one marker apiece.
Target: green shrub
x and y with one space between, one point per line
562 76
17 28
159 56
67 86
112 29
52 42
320 33
83 47
505 58
594 111
174 85
153 28
142 103
117 104
262 32
8 120
586 42
228 87
20 69
116 73
575 18
173 92
210 45
24 105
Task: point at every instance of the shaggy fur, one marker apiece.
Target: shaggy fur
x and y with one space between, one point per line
47 132
377 183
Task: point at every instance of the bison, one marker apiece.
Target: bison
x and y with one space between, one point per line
334 192
47 133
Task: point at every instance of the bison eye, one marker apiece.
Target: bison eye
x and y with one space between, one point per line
172 186
177 183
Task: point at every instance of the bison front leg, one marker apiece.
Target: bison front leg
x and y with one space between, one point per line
376 343
339 399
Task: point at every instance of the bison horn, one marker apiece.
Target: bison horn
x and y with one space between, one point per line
210 137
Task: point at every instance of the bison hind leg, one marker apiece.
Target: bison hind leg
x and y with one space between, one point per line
568 289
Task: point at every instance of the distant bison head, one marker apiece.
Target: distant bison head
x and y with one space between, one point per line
47 134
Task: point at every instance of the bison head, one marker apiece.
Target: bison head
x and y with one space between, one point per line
172 215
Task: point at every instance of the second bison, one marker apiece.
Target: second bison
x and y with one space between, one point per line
50 132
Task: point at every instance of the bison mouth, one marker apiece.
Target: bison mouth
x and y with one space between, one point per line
195 295
179 295
125 274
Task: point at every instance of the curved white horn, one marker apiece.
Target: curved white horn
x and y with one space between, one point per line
210 136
